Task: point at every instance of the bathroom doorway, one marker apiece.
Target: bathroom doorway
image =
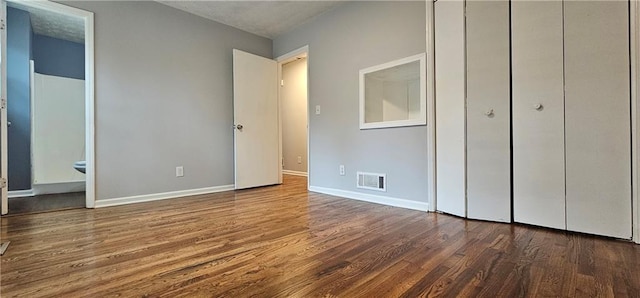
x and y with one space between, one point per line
294 111
50 107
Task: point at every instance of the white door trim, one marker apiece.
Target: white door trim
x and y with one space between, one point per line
4 152
635 68
431 114
281 61
89 86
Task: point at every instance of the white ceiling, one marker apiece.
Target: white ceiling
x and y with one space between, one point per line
265 18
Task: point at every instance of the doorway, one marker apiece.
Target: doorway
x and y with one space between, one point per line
294 112
50 100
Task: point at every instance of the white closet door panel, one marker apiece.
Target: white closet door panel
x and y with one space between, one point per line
450 111
488 114
538 134
597 103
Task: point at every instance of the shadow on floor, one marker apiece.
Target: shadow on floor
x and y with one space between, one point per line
46 203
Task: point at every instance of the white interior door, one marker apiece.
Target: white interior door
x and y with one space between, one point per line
538 113
4 192
450 107
488 113
597 117
255 116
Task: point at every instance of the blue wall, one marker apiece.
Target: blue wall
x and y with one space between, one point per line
58 57
18 98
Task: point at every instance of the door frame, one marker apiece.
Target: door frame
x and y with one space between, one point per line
634 19
4 151
431 112
87 17
290 56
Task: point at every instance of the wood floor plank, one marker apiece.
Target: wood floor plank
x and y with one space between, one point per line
283 241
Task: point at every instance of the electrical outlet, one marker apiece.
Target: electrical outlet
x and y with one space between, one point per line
179 171
299 159
341 170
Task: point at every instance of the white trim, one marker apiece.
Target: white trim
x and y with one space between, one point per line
90 138
635 67
4 152
21 193
293 54
431 114
162 196
89 85
388 201
303 51
32 98
294 173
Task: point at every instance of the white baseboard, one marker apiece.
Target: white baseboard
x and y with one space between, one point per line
295 173
162 196
59 187
389 201
21 193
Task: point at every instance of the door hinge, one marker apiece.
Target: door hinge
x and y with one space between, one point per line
3 103
3 182
2 24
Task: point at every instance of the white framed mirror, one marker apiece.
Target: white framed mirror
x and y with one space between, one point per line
393 94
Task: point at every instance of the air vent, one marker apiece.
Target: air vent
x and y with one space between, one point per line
372 181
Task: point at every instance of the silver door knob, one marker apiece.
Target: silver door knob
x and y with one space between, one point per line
238 127
539 107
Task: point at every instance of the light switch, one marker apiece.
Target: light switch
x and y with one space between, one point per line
318 110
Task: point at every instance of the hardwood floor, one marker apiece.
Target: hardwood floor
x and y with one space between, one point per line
283 241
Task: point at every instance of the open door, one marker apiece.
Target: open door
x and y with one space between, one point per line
4 193
255 115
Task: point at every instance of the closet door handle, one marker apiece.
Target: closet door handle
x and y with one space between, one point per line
538 107
489 113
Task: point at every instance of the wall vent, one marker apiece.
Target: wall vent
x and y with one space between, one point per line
372 181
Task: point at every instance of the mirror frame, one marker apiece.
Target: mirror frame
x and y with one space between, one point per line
422 120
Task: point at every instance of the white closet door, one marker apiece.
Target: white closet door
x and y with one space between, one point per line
538 131
597 117
450 111
488 114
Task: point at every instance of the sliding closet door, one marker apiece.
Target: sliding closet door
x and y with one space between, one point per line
597 103
538 113
450 111
488 114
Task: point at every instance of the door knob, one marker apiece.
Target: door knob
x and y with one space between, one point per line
489 113
539 107
238 127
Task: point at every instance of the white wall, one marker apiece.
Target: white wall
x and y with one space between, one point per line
351 37
294 115
163 97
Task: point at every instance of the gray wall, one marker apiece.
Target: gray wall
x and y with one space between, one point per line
163 97
294 115
57 57
341 42
19 98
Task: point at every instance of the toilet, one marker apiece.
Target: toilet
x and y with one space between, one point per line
80 166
